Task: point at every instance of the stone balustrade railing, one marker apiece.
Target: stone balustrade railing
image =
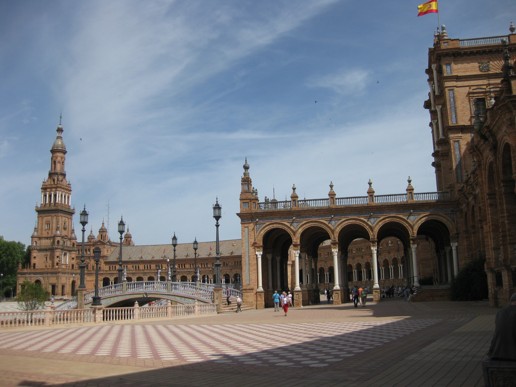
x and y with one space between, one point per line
53 317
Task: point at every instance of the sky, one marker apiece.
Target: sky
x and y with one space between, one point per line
162 101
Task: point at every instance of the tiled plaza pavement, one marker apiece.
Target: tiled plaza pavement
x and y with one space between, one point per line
393 343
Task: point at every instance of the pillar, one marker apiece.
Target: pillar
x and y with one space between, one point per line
376 286
413 247
455 261
296 269
259 270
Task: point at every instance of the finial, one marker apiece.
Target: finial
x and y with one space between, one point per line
370 182
246 168
293 188
331 185
409 180
60 119
512 28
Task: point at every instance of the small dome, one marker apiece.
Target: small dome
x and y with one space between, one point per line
58 143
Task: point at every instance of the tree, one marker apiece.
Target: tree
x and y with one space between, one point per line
470 283
12 255
32 296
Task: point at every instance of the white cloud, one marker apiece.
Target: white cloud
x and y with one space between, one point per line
346 82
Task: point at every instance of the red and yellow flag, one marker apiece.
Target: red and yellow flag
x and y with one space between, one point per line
428 7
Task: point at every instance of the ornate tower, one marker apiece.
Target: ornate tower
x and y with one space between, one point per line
53 242
464 77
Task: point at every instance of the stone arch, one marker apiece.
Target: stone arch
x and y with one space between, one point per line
399 228
437 230
312 237
276 268
314 224
273 226
348 231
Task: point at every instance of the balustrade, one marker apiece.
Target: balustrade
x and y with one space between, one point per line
79 316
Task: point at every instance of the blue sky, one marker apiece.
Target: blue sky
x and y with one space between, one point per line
163 100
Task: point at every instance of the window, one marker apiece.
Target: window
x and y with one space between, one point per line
479 112
448 68
453 110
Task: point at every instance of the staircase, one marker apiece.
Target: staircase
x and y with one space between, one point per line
225 308
432 293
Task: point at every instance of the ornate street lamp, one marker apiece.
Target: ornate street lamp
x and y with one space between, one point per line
217 214
174 244
96 256
82 266
121 230
195 247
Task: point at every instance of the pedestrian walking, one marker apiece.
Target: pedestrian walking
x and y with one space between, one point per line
276 300
239 304
285 303
228 296
354 292
289 297
363 296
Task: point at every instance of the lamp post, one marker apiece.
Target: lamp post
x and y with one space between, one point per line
174 244
82 265
195 247
96 256
217 214
121 230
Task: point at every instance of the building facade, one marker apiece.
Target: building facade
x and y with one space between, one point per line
308 246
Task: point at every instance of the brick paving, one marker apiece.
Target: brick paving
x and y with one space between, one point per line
392 343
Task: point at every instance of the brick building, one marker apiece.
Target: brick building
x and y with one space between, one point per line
309 245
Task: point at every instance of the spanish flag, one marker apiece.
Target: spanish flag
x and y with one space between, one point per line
428 7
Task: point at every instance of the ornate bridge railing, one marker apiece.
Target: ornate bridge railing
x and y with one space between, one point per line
196 291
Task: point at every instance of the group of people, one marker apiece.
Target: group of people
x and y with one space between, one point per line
359 295
284 300
405 292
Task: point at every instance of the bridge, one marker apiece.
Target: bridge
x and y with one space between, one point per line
127 293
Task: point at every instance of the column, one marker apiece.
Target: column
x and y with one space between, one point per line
259 270
296 269
335 268
413 247
374 250
455 261
449 264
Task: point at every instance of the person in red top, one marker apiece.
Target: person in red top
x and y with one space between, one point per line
285 303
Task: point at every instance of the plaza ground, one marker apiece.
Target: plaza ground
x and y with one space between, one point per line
392 343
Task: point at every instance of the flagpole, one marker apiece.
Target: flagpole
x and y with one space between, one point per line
438 18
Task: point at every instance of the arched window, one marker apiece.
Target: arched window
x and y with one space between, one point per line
368 271
321 278
330 274
395 268
350 273
386 271
358 268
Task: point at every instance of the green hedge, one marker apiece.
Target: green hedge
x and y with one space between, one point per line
471 283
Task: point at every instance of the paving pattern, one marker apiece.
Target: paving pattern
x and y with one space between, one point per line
311 344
